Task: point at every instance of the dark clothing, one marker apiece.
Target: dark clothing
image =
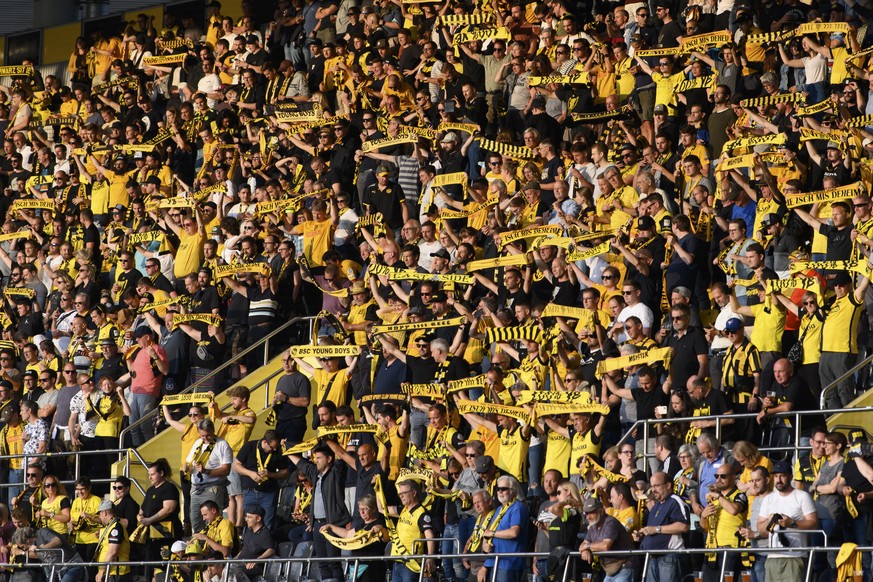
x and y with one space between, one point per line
686 349
272 462
333 486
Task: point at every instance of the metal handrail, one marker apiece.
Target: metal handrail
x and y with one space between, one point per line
263 341
793 414
850 372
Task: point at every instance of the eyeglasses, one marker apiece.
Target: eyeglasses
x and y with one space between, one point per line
809 303
50 484
503 489
471 456
193 415
626 453
32 475
45 379
677 317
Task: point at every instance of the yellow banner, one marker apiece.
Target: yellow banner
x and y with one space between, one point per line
530 232
466 383
584 254
19 292
361 539
841 193
550 408
625 362
375 144
129 82
190 398
748 161
505 149
397 327
507 261
700 42
207 318
314 114
16 71
15 235
481 34
301 448
374 429
409 275
465 19
417 474
554 310
475 407
177 59
773 100
574 79
324 351
423 390
826 105
601 115
805 283
33 205
454 126
698 83
222 271
554 396
443 180
808 134
748 142
658 52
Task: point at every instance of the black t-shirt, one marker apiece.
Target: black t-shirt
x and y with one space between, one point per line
294 385
273 462
647 401
839 241
685 351
154 502
206 353
387 202
713 404
420 370
128 509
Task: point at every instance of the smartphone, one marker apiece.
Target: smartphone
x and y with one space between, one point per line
662 410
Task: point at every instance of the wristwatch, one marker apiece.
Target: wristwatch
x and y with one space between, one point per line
657 529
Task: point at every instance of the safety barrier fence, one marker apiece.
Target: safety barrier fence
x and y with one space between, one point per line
648 427
278 568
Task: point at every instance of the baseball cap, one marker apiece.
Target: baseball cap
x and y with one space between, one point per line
442 253
438 296
832 145
539 102
178 547
591 504
841 278
532 185
106 505
733 324
252 39
781 467
770 219
255 510
660 108
646 223
382 169
484 464
358 287
450 136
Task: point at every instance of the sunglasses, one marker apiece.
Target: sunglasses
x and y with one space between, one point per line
118 487
717 476
503 489
50 485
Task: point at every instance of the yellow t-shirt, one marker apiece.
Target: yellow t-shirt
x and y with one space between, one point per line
236 433
769 326
333 387
629 517
317 239
190 254
840 330
87 532
513 452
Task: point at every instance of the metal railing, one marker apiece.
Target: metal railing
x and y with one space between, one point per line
847 374
30 457
263 342
648 424
808 553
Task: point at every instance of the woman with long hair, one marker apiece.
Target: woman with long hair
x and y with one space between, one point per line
78 63
831 505
54 512
748 456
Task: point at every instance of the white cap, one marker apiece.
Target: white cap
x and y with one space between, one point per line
178 547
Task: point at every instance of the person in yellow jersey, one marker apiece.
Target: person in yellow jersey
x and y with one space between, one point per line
219 535
113 545
84 519
330 383
362 313
725 513
192 235
623 507
318 232
514 442
839 338
235 428
412 524
190 435
585 438
398 437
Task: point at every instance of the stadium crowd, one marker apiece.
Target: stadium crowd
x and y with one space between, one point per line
521 230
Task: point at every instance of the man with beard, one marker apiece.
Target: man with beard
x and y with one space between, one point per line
605 533
791 508
724 514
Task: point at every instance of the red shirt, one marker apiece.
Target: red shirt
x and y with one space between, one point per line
147 379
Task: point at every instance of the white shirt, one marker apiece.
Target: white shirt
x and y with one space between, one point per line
209 84
345 227
720 342
795 506
641 311
425 261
